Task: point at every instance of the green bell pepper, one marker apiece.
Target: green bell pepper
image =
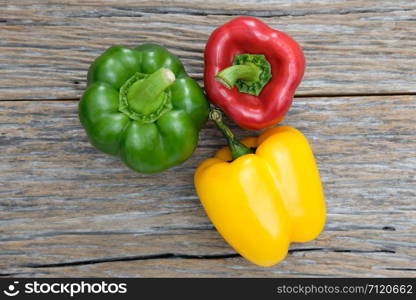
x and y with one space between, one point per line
141 105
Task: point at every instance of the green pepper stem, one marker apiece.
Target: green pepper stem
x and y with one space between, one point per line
145 96
248 72
237 149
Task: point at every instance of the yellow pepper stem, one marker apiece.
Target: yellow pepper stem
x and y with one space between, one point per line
237 149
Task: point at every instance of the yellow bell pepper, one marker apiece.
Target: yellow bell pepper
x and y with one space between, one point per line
261 202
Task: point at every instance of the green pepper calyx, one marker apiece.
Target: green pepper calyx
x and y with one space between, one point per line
147 97
249 73
237 149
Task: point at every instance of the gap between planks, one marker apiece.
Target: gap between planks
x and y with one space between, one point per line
295 97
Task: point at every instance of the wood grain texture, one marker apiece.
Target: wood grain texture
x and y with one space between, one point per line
352 47
68 210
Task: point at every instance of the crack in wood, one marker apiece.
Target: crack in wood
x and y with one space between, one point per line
8 274
315 95
133 258
263 13
401 269
185 256
132 12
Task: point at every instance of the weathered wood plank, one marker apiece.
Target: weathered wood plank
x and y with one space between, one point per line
352 47
64 202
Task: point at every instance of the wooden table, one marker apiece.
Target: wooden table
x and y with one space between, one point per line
68 210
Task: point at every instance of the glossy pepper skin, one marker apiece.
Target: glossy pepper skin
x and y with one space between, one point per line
261 202
142 106
286 62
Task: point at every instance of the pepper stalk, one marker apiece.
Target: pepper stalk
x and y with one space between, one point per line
249 73
237 149
145 96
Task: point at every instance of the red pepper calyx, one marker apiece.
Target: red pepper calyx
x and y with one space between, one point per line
249 73
237 149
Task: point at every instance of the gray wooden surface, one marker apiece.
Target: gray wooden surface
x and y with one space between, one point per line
68 210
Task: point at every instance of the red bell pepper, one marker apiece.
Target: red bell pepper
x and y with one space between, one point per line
252 72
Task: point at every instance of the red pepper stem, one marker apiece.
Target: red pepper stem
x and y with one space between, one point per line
146 96
248 72
237 149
